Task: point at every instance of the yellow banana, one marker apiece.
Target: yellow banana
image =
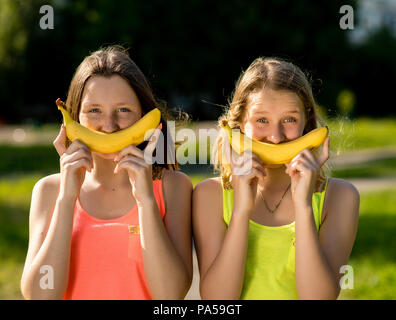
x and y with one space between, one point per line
110 142
276 153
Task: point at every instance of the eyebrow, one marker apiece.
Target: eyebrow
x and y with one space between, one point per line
267 112
99 105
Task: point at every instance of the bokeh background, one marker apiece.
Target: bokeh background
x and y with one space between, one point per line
192 52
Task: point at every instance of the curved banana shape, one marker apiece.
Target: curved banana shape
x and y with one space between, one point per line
110 142
276 153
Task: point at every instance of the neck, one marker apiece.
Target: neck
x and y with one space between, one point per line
276 179
102 176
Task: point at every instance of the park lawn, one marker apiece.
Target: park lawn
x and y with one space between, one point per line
15 194
362 133
372 169
373 260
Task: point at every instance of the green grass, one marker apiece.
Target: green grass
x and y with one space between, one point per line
377 168
362 133
15 194
373 257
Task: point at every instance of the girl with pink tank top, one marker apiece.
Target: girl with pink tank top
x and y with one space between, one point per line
110 226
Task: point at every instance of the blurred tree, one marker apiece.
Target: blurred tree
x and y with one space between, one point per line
13 39
346 102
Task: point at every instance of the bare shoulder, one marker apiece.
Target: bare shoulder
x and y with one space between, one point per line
177 180
342 197
177 191
342 190
44 195
211 186
49 183
47 187
207 197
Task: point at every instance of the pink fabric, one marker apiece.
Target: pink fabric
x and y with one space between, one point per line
106 256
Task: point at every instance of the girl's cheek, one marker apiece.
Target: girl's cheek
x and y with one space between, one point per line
253 131
293 133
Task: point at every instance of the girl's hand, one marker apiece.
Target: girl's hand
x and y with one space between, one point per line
74 162
139 168
247 171
304 170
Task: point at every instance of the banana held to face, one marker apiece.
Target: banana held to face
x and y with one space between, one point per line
275 153
110 142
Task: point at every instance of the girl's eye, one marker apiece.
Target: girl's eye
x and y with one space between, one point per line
123 110
262 120
94 110
290 120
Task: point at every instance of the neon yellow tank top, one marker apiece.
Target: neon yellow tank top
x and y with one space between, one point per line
270 260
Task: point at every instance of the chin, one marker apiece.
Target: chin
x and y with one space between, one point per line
107 156
274 166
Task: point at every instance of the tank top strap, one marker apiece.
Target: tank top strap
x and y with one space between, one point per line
159 196
317 205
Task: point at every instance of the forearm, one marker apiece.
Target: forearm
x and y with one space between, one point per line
54 254
167 275
224 278
314 277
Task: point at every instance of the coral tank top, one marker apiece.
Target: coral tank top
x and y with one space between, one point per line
106 260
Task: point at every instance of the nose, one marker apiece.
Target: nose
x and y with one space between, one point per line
276 135
110 124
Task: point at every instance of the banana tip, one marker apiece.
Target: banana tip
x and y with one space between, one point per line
60 104
223 123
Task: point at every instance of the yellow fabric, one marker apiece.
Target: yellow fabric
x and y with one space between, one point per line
270 261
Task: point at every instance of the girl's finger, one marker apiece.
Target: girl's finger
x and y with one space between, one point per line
129 164
255 173
132 150
133 159
308 155
154 137
79 154
226 151
75 146
325 154
78 164
153 142
60 141
301 165
258 164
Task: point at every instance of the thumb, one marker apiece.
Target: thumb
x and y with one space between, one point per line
324 155
60 141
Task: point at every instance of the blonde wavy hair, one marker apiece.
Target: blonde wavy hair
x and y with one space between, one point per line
269 73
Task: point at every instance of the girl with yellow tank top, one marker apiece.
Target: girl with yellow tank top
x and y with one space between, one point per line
273 231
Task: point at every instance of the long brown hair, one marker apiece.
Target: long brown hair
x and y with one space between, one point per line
271 73
115 60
